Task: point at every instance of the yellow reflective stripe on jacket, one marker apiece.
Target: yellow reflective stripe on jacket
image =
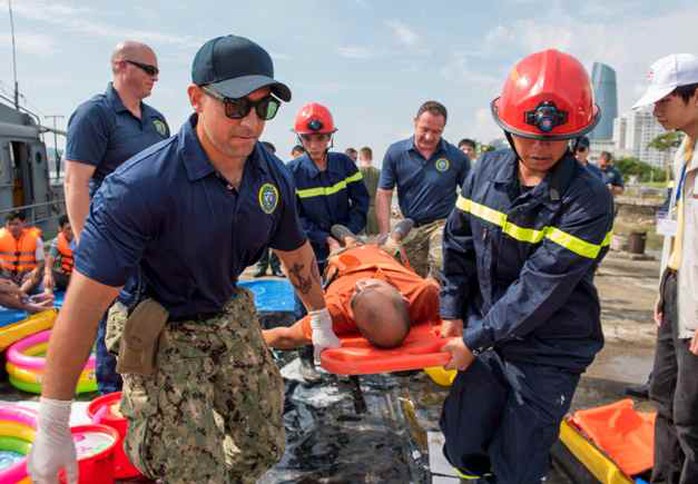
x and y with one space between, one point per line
327 191
533 236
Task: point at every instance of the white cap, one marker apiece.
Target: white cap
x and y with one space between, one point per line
667 74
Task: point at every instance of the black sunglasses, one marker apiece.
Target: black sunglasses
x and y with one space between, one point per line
147 68
266 108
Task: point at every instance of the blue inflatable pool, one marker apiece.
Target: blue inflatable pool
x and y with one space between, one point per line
9 316
271 295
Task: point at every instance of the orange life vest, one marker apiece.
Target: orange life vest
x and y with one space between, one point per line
65 252
18 256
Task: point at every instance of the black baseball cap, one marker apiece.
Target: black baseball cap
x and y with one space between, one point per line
583 142
234 67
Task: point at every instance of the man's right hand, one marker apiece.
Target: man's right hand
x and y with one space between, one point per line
323 334
53 447
451 327
658 313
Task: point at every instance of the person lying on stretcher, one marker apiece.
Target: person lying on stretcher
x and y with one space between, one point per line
367 292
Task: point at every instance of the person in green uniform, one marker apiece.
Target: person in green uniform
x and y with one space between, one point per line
371 176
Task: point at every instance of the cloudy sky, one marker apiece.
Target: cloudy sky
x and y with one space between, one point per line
371 62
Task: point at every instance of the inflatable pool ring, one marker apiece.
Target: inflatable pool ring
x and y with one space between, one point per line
26 327
94 445
421 349
17 430
105 410
25 367
441 376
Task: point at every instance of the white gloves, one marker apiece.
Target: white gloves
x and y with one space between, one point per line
323 335
53 446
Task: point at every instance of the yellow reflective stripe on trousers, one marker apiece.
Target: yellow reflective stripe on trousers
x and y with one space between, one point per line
533 236
327 191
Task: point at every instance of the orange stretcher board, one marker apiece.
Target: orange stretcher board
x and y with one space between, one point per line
422 348
622 433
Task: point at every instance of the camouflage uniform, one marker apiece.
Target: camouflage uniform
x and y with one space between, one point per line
423 248
213 411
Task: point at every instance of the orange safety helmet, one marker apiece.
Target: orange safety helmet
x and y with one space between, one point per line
314 118
547 95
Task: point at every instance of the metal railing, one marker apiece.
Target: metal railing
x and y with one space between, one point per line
53 210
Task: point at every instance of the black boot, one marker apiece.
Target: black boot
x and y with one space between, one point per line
308 371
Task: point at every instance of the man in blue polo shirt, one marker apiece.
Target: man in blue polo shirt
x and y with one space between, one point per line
201 392
103 132
427 170
610 174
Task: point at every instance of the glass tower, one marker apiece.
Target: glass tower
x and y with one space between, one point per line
603 81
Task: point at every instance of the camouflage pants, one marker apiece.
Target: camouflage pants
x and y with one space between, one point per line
213 411
423 248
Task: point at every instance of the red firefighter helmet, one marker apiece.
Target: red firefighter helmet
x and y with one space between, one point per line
314 118
547 95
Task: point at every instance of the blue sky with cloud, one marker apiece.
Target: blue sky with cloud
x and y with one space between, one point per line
371 62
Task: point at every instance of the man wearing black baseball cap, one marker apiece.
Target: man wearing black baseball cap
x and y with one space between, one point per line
201 393
581 152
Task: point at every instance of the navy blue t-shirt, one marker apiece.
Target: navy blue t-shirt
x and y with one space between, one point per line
426 188
103 133
167 212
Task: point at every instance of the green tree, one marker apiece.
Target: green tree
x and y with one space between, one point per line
664 143
633 167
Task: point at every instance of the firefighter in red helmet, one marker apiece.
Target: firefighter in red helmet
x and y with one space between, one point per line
520 250
329 191
328 184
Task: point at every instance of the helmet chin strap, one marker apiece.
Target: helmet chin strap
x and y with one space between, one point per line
510 140
327 150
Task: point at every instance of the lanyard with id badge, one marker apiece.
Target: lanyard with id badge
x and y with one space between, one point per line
667 222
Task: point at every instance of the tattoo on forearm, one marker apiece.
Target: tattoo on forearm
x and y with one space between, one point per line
299 281
315 272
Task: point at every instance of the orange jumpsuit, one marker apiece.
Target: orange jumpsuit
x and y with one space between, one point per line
346 268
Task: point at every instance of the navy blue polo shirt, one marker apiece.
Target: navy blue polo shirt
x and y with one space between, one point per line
167 212
104 134
611 176
426 188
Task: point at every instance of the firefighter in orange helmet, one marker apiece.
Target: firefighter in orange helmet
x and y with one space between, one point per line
518 300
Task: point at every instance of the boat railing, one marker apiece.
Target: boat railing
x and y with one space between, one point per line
38 213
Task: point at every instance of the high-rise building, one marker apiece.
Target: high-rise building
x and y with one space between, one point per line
633 131
603 80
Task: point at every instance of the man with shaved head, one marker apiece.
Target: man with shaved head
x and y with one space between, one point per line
103 132
367 292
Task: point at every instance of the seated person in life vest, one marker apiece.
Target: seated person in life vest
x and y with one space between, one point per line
368 292
59 260
21 253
